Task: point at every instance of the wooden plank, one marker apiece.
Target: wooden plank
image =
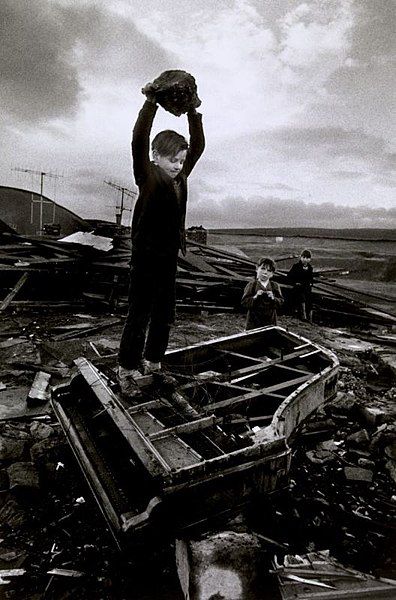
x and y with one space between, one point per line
246 356
146 452
87 330
208 276
80 444
151 404
295 370
215 252
17 287
224 270
195 261
374 593
263 391
241 373
190 427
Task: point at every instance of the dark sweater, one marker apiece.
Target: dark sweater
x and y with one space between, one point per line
159 214
261 310
300 275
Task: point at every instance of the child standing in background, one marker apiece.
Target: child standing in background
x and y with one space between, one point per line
301 278
262 297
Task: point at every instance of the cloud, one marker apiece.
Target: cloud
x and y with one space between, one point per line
38 78
312 32
297 94
374 33
360 92
325 149
54 56
274 212
348 175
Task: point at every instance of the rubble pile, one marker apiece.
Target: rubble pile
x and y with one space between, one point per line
38 272
52 538
343 478
54 541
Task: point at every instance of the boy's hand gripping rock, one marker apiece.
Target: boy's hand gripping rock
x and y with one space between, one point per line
175 91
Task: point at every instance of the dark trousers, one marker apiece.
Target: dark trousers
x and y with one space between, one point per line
151 310
303 297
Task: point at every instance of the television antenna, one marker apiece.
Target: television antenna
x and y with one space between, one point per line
124 192
41 201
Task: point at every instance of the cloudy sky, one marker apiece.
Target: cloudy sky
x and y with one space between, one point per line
297 99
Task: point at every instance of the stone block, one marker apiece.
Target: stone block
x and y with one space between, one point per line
11 448
384 435
391 468
329 445
359 438
223 565
41 431
371 414
320 457
390 451
48 450
366 463
358 474
24 480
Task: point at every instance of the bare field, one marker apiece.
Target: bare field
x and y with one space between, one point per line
365 260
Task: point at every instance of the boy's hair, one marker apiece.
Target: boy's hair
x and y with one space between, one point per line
265 261
306 254
168 143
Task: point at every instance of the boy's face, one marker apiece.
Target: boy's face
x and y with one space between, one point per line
264 273
172 165
305 260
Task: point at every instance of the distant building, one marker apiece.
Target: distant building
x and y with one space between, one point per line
197 234
27 213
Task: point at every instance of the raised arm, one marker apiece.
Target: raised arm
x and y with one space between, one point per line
197 140
249 297
278 296
141 140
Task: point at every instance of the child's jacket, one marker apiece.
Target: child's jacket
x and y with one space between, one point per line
159 214
261 310
299 274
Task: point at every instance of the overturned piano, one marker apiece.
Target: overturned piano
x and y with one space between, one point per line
178 455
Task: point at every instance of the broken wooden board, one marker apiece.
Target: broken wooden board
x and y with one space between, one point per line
317 576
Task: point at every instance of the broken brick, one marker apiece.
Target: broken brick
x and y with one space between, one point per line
358 474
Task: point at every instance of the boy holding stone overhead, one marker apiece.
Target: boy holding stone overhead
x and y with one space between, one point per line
158 224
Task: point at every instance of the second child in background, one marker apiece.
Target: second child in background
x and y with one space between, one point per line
301 278
262 297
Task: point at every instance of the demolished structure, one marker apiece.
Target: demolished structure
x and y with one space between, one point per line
54 272
208 445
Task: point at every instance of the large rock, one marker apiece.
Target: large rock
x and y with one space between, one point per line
24 480
387 359
391 467
359 438
48 450
344 404
41 431
223 565
385 434
11 448
390 451
17 431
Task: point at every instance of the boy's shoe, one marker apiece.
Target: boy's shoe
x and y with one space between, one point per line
161 378
127 381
